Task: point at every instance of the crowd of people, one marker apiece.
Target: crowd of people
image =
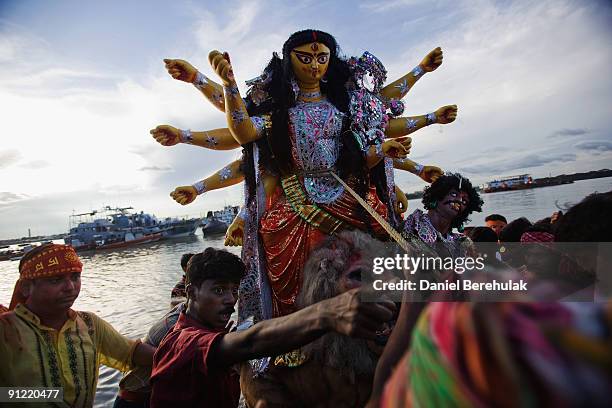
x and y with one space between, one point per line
321 137
437 354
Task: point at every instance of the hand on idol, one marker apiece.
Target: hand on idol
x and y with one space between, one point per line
181 70
430 173
184 194
355 317
221 65
401 201
166 135
397 148
432 60
446 114
235 232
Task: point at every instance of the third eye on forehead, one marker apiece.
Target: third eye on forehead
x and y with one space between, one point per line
307 57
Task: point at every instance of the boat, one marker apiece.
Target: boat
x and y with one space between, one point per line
519 182
129 239
522 182
16 252
217 222
112 228
179 227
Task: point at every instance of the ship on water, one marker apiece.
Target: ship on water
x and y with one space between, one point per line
111 228
217 222
522 182
519 182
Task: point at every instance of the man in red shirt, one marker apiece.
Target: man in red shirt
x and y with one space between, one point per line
192 365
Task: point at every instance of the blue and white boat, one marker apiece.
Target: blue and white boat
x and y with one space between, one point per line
117 227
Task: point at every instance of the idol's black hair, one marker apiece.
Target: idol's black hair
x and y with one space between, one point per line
275 149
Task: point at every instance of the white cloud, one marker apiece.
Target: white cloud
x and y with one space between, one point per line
519 71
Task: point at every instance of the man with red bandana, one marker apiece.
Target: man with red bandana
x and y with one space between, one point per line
47 344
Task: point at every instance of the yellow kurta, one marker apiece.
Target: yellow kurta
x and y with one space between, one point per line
34 355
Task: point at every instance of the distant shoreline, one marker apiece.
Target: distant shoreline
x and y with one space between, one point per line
411 196
546 181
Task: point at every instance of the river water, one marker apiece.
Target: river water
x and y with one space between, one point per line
130 288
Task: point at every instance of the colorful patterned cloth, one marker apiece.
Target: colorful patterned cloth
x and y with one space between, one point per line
54 261
312 204
418 224
34 355
506 355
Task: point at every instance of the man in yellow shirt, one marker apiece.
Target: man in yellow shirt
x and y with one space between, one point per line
44 343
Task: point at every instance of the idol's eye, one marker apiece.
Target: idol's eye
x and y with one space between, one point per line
304 59
235 292
218 290
454 194
322 59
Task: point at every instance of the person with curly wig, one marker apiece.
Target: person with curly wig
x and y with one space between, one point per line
449 201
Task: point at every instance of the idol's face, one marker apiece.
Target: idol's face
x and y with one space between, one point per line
310 62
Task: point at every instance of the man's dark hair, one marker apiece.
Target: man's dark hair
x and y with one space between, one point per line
434 193
214 264
483 234
185 259
496 217
512 232
588 221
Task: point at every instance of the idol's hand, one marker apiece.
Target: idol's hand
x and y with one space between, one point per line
401 201
432 60
431 173
166 135
184 194
181 70
397 148
446 114
222 66
235 232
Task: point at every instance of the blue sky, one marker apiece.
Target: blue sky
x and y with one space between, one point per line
82 82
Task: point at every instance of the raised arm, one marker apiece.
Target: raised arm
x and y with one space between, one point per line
216 139
184 71
345 314
239 123
398 148
404 126
399 88
427 173
227 176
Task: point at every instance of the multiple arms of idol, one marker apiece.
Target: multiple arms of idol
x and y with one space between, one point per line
242 130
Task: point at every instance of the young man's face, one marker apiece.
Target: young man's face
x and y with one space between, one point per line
213 302
496 225
54 294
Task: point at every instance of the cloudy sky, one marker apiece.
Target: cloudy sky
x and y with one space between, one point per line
82 82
